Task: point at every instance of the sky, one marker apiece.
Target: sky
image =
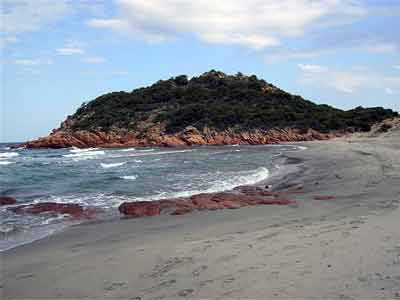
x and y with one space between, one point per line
57 54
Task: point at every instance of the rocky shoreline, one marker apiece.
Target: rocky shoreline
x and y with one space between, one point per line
339 241
190 136
276 190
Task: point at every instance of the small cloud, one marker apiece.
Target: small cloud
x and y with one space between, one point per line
94 60
6 40
72 47
347 81
32 62
383 48
70 51
390 91
24 16
397 67
293 54
311 68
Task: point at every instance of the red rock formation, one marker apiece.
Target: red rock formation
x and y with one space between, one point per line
242 196
157 136
324 198
181 211
140 209
5 200
74 210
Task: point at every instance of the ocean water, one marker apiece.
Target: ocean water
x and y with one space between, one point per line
105 178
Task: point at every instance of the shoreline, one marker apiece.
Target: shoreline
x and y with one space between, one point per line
287 168
317 248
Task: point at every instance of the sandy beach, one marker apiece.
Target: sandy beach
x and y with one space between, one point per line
344 247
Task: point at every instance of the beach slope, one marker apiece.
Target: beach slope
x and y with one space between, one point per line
341 240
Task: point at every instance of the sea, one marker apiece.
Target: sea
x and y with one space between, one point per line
104 178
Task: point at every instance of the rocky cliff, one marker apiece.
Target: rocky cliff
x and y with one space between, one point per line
188 137
212 109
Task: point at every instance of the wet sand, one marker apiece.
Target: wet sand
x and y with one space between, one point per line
343 248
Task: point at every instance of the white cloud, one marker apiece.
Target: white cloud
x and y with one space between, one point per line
390 91
6 40
70 51
383 48
94 7
347 81
370 46
24 16
284 55
253 23
397 67
94 60
19 16
72 48
32 62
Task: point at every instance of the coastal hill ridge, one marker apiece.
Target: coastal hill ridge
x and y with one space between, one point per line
211 109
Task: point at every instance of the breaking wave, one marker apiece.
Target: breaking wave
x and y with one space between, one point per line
129 177
106 166
8 155
128 150
78 150
219 185
84 154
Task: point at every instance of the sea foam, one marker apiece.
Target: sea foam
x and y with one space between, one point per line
129 177
78 150
85 154
8 155
225 184
113 165
128 150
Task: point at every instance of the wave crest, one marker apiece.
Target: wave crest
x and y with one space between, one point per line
129 177
78 150
112 165
8 155
85 154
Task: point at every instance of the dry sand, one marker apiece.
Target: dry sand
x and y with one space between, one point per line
344 248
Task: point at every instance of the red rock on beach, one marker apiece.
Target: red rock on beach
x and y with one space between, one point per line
238 198
277 201
182 211
140 208
6 200
74 210
204 201
324 198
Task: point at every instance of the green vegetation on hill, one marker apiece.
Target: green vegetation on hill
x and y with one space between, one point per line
219 101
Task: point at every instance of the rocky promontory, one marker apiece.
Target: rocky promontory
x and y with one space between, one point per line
188 137
212 109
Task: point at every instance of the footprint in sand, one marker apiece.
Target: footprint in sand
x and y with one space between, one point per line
346 234
114 285
198 270
185 292
25 276
163 284
169 265
206 282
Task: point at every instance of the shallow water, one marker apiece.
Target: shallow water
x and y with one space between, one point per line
107 177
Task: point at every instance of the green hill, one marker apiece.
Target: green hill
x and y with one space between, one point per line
218 101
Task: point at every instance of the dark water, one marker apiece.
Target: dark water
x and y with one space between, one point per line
106 177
